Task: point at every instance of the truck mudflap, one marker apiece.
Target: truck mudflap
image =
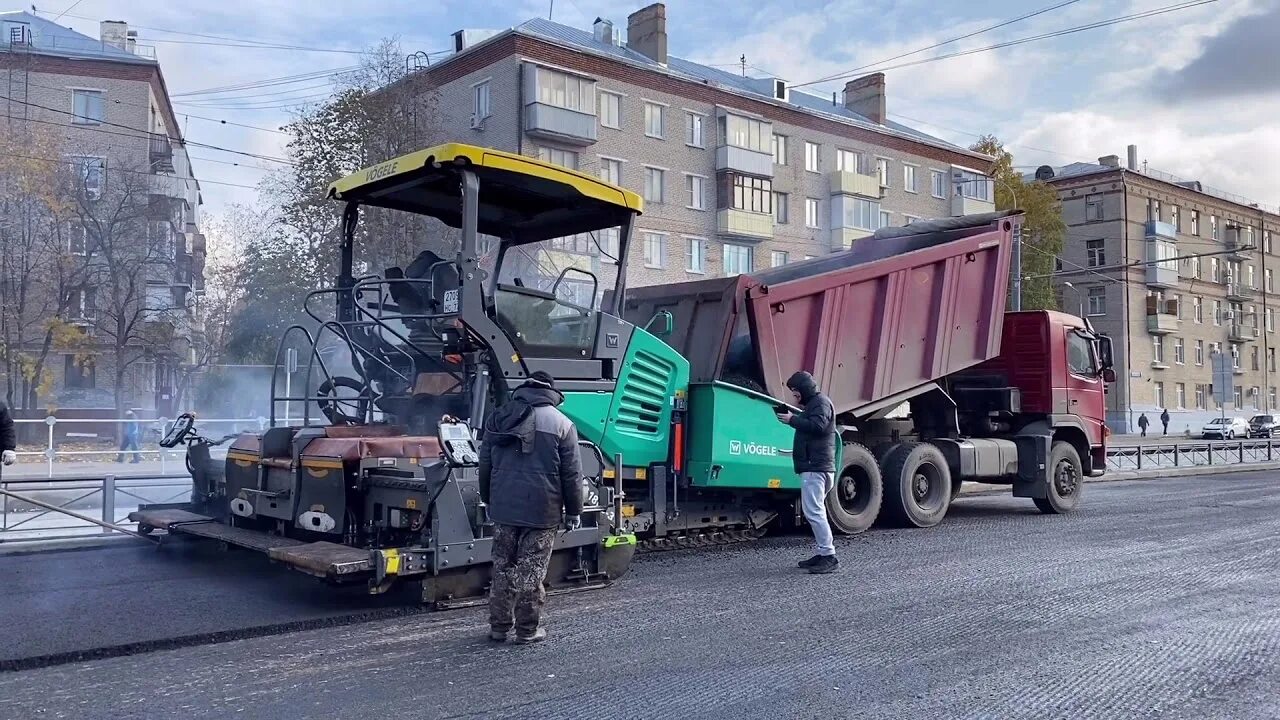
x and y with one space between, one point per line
1033 466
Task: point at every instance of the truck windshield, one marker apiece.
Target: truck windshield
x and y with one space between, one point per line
548 294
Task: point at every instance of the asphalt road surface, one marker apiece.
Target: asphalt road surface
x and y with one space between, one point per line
1160 599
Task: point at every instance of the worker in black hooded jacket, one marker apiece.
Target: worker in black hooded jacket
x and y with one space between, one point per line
529 474
813 456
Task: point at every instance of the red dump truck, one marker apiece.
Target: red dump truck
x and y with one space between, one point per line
933 383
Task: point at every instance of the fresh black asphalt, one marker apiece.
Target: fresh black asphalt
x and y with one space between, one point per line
1159 599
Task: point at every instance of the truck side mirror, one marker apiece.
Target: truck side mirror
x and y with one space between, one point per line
1104 353
664 321
1108 375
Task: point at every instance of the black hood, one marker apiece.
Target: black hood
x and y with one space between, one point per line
514 421
803 383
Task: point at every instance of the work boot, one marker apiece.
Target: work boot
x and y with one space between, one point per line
498 635
538 636
825 564
806 564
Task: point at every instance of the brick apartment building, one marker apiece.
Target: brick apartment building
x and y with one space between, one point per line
1174 271
738 173
104 102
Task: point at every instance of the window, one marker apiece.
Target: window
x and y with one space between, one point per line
1270 320
1179 351
697 257
90 171
79 375
745 192
1153 210
974 185
882 170
80 305
811 157
1200 397
779 149
655 120
1213 227
1175 218
848 161
1271 399
1266 241
77 238
655 249
909 178
860 213
886 219
1097 301
1250 276
746 133
1239 398
1097 252
780 212
1092 208
1180 395
938 180
566 91
737 259
480 100
1159 394
811 213
1195 222
1217 312
693 130
609 240
611 170
1157 349
653 178
1235 356
1215 270
1080 355
89 107
611 110
778 258
1255 358
1178 300
564 158
1200 352
695 186
1257 396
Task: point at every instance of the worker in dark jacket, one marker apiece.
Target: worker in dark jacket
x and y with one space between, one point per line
813 456
8 436
529 474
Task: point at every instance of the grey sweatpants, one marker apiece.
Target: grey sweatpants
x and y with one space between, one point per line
814 487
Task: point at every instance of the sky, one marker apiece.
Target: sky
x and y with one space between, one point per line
1196 90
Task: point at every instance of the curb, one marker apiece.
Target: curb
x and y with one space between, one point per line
1152 474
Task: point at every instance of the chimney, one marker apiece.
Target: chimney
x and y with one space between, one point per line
1133 158
1111 161
131 41
114 33
603 31
865 96
647 32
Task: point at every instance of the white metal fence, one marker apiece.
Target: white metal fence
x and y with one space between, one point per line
108 498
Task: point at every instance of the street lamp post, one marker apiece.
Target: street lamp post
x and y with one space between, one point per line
1079 296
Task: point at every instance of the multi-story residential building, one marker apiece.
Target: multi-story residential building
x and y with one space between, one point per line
1174 271
738 173
125 260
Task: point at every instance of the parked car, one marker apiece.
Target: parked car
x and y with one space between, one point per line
1226 428
1262 426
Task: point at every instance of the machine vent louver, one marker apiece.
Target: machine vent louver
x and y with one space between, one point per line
644 394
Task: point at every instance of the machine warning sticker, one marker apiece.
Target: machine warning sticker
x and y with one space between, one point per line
451 301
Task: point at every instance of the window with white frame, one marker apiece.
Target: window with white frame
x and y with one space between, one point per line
882 170
1097 301
1195 222
1093 208
480 100
1180 395
563 90
811 213
611 110
696 255
1175 217
1096 253
938 183
812 157
89 107
886 219
1266 241
1179 351
693 129
563 158
747 133
1271 359
611 170
1271 399
848 161
80 303
1213 227
655 120
1217 312
860 213
778 258
1199 352
1200 402
695 186
653 184
609 242
77 238
90 173
1268 280
1159 394
737 259
1157 349
655 249
1239 397
1269 318
781 214
909 173
974 185
779 143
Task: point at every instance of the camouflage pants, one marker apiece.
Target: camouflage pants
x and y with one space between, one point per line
520 559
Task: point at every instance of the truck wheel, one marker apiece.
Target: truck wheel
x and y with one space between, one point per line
854 503
1066 480
917 485
883 450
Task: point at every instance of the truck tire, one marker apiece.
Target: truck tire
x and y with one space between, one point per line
1066 480
883 450
854 503
917 485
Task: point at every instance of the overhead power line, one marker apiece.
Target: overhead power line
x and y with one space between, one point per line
270 82
1034 38
134 172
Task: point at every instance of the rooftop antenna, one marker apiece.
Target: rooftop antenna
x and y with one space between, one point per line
743 60
551 10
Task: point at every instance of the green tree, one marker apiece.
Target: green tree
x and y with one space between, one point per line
1043 230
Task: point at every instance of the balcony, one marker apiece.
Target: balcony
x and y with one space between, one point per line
851 183
559 124
1243 332
161 153
743 224
961 205
742 160
1163 274
1236 244
1162 316
1239 292
842 238
1163 230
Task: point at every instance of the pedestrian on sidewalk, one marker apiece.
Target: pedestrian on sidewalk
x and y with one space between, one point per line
529 474
1164 420
131 438
1143 422
813 457
8 436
